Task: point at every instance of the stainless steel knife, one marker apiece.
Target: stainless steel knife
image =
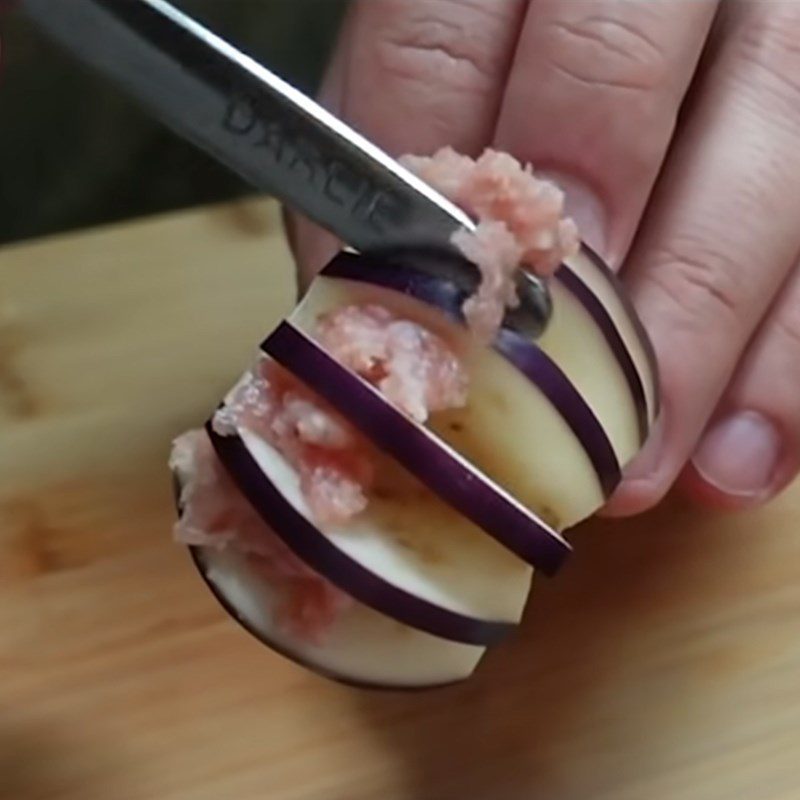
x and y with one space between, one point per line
271 134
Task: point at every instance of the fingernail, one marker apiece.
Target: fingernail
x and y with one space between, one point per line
739 455
583 205
647 460
641 479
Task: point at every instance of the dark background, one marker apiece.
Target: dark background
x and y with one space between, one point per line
75 152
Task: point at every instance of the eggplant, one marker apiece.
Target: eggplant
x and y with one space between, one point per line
438 566
407 555
546 447
587 276
361 648
450 476
397 272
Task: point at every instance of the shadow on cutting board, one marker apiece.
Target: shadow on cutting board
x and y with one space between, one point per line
501 734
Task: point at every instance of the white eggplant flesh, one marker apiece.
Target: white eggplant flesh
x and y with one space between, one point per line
361 647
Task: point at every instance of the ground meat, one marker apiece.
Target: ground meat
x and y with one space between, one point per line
333 461
413 368
497 254
520 221
215 514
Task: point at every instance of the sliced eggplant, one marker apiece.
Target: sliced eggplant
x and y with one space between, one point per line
361 647
407 555
397 272
537 447
510 429
435 464
587 297
577 339
594 275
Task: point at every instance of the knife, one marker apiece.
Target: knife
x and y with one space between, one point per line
272 135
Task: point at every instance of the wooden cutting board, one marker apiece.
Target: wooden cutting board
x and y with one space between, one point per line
663 664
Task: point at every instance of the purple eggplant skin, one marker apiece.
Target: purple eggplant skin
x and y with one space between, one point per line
412 270
619 290
197 559
453 480
517 349
195 553
602 319
315 549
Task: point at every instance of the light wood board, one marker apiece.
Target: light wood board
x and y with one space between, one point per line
663 664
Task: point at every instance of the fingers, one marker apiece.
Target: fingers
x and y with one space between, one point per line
594 95
419 74
415 75
751 450
720 239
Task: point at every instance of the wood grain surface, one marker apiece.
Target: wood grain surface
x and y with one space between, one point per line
663 664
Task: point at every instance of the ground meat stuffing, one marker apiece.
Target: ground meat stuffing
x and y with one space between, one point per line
215 514
332 459
413 368
520 222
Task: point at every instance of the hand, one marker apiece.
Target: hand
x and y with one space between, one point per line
696 199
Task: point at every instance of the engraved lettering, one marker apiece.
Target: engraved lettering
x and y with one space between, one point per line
272 138
308 156
365 199
342 184
240 115
386 211
295 150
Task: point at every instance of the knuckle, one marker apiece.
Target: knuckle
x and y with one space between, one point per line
702 283
768 39
603 51
445 41
787 323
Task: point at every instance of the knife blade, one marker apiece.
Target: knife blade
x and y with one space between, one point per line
271 134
